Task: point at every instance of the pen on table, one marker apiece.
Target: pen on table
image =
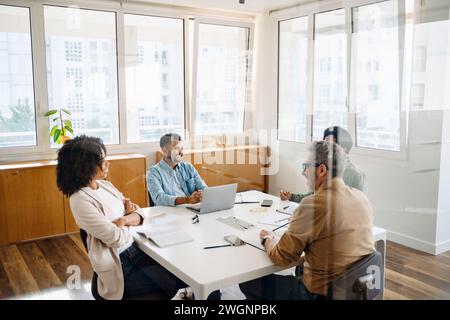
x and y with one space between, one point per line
281 226
282 220
279 211
224 245
286 207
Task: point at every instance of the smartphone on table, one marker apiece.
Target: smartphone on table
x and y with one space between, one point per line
266 203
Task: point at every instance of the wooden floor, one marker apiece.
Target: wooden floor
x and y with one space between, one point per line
38 270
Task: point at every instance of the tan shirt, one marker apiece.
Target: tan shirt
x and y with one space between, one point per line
334 229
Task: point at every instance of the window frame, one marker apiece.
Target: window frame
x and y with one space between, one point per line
122 79
220 22
310 68
36 83
310 10
43 149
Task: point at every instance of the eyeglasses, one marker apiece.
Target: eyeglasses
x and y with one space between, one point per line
195 219
305 165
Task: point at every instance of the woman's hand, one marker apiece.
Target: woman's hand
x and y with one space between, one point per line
132 219
129 206
120 222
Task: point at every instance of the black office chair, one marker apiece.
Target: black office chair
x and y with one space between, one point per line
360 281
151 203
94 290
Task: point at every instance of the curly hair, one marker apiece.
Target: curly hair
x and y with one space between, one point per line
78 160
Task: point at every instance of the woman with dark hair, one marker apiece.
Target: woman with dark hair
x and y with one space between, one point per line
105 214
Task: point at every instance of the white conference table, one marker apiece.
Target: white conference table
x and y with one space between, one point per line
206 270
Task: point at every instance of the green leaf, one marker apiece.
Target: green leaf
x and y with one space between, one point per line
68 123
49 113
59 139
69 129
66 111
55 119
56 135
52 132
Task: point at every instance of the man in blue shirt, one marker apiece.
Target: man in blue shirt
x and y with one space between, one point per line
172 181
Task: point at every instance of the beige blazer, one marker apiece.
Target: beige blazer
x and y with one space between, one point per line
334 229
104 238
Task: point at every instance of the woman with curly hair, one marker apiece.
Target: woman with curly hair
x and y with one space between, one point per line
123 270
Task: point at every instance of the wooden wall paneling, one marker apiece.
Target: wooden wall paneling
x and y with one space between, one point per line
128 176
31 203
244 167
71 225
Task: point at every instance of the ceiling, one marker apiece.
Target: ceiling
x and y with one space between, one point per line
250 6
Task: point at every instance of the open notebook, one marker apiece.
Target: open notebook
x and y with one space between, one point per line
164 236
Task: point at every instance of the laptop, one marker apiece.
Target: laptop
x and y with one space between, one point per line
216 199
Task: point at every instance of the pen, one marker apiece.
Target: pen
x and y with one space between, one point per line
281 226
281 220
279 211
221 246
286 207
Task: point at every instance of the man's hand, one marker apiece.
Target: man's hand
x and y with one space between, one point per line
285 195
195 197
129 206
264 234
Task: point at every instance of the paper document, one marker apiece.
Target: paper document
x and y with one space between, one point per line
274 219
160 219
164 236
287 209
240 198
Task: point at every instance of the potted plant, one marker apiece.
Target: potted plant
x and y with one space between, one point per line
60 131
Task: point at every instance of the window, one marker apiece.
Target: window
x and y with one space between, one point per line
72 50
330 83
164 83
78 123
420 59
140 54
147 83
373 92
221 47
375 42
75 76
99 116
17 113
293 74
164 57
418 96
75 103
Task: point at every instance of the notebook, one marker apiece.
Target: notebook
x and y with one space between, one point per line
165 236
288 209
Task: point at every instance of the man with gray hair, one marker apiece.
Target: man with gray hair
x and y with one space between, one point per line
332 227
172 181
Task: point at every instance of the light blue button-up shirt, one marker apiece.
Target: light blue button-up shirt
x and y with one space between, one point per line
162 185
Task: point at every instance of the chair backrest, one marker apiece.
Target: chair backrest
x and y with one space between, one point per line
94 289
151 203
363 280
83 236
